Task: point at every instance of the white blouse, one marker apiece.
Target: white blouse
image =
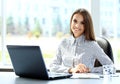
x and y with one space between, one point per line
73 51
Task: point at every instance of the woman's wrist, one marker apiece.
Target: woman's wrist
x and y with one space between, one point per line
70 70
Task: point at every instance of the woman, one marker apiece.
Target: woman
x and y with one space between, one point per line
78 53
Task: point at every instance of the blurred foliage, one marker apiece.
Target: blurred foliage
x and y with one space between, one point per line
118 54
37 31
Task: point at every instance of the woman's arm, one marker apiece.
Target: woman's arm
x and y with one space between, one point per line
57 63
101 57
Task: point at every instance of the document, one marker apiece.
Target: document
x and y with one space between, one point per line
85 75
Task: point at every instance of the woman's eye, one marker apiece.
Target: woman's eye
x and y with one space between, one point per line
82 22
75 20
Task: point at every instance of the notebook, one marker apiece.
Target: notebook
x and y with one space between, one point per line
28 61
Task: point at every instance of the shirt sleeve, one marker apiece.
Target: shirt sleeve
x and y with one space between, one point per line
101 57
56 65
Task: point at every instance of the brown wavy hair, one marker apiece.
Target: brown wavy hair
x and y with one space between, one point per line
88 24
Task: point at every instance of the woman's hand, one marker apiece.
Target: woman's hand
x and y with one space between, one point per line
80 68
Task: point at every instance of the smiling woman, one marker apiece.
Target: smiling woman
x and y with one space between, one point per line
80 45
77 25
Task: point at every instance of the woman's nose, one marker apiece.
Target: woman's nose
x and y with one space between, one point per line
76 25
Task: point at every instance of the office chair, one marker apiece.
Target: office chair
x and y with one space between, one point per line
106 46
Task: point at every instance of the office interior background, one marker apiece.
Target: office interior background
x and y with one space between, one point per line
46 23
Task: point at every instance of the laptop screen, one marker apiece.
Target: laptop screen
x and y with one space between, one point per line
27 61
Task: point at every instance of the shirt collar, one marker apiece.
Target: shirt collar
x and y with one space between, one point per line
79 40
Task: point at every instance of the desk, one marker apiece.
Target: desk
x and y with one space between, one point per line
11 78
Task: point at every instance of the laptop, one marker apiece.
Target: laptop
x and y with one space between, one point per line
28 61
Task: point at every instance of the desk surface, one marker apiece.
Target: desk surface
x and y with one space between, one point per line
11 78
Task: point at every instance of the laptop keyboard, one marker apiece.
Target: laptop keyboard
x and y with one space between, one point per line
51 74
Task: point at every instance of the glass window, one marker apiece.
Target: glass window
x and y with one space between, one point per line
0 33
37 22
110 18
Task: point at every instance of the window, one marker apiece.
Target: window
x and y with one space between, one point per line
35 22
0 33
110 17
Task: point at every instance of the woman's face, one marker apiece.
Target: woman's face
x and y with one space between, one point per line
77 25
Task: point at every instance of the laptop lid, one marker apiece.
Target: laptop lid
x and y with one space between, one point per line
28 61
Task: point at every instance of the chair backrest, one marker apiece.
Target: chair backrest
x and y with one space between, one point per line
106 46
